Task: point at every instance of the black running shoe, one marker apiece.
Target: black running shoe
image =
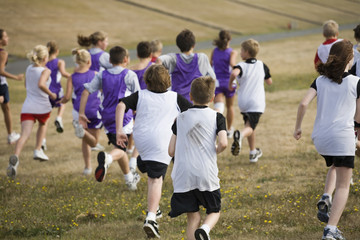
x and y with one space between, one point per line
151 229
236 146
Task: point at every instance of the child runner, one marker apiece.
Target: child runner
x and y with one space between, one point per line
83 75
357 46
156 108
57 68
223 58
4 89
338 102
187 65
36 106
330 32
115 83
195 171
156 49
98 42
251 95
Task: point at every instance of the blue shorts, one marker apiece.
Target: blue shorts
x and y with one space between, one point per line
4 91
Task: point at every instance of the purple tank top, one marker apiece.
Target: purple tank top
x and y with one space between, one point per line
93 103
113 87
55 86
140 74
183 75
221 63
95 61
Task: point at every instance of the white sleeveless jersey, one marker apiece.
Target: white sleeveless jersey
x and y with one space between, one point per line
195 165
37 101
333 132
155 114
324 50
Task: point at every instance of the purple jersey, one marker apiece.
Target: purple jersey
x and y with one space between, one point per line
140 75
55 85
221 63
93 102
113 87
95 61
184 74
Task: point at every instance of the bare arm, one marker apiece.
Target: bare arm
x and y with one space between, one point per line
268 81
3 57
357 112
211 58
83 120
234 73
172 144
69 88
233 55
222 141
42 83
310 95
121 137
61 66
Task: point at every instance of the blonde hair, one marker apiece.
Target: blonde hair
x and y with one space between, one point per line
202 89
38 54
81 56
330 29
156 45
251 46
93 39
157 78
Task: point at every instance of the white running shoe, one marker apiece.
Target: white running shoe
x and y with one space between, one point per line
59 125
201 234
40 155
98 147
13 137
43 145
87 171
230 132
12 168
79 130
254 157
132 184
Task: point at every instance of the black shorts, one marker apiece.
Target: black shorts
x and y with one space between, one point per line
339 161
112 140
153 169
4 91
252 117
190 201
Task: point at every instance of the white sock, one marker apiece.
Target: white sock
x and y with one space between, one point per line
327 195
206 228
253 151
332 228
129 177
109 158
151 216
59 118
133 163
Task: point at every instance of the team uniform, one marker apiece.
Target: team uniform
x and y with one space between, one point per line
155 113
333 133
4 89
195 171
116 83
140 75
36 105
55 85
92 109
251 91
222 69
99 59
323 50
183 69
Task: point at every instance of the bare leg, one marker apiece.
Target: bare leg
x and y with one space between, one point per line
121 157
343 176
154 193
219 98
251 140
7 116
40 135
330 181
211 219
193 222
229 112
26 128
61 110
86 149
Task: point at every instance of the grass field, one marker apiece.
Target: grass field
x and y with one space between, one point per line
273 199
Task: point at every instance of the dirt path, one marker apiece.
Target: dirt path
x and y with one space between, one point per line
19 66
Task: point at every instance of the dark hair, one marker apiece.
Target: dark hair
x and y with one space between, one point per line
1 33
357 33
52 47
117 55
185 40
223 39
202 89
92 39
340 55
144 49
157 78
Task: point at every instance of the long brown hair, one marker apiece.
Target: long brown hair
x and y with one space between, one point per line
222 41
340 55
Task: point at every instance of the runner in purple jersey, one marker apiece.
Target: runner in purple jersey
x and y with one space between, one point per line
223 58
140 74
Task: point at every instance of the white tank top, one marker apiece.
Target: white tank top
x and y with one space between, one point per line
37 101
